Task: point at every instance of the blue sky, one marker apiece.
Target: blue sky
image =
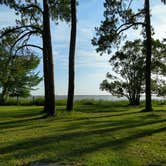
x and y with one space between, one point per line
90 66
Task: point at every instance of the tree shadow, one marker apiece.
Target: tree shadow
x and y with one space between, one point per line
100 108
114 144
105 129
84 129
99 116
27 120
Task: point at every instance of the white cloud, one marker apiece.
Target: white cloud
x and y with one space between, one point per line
60 35
7 17
159 21
91 59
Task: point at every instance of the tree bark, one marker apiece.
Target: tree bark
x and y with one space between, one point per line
70 99
148 106
4 95
48 63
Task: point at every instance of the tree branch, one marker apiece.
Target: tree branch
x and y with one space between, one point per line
20 27
129 22
28 45
128 27
32 6
129 4
20 38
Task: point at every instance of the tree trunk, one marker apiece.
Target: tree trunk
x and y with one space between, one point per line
4 95
70 98
148 56
48 63
135 101
17 100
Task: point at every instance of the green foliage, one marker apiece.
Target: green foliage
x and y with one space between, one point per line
30 23
118 17
39 101
17 76
23 75
13 101
60 10
129 64
96 135
32 9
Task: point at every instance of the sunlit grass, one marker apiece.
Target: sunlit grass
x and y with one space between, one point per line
98 134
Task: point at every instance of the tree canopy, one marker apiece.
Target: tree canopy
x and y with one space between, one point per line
118 17
17 75
129 64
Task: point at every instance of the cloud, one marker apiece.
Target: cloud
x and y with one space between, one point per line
7 17
85 52
90 59
59 31
158 20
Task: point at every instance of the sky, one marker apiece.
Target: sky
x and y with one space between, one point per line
91 68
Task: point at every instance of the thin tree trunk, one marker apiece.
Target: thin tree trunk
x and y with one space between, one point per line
70 98
17 99
148 56
48 63
4 95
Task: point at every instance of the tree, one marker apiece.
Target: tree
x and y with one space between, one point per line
148 56
70 98
128 64
31 24
48 62
119 17
17 76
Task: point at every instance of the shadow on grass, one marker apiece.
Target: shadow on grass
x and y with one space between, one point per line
83 129
115 143
101 108
99 117
76 151
30 118
29 115
27 119
112 125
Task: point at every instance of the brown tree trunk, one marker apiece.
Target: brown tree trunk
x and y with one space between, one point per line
48 63
148 56
70 98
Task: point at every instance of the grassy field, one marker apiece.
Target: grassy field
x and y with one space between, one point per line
100 134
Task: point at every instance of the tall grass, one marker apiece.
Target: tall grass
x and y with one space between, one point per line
39 101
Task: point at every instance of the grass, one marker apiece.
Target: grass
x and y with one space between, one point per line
98 134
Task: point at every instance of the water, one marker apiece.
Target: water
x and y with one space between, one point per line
104 97
95 97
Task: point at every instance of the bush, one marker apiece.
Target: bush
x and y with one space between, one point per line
61 102
39 101
85 102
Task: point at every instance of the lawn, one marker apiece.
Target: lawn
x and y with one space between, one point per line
92 135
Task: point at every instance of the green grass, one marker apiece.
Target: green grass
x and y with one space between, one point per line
98 134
